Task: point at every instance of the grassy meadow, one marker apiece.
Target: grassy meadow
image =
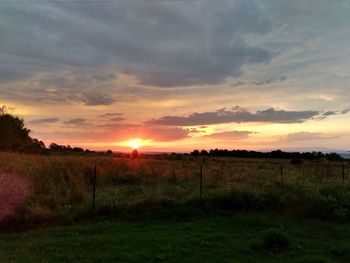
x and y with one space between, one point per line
146 208
218 237
60 188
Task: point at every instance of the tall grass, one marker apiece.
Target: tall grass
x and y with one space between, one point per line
58 188
13 191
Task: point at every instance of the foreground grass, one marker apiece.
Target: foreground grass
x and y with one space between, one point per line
59 188
219 237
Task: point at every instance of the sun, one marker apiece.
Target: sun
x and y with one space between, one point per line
135 143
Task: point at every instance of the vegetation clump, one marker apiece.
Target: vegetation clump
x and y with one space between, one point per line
14 136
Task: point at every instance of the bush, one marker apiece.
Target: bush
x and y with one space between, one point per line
275 241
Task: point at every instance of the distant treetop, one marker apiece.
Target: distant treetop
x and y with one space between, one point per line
277 154
14 136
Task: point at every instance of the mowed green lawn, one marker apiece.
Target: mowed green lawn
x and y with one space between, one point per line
219 237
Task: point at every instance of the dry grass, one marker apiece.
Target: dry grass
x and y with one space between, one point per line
61 186
13 191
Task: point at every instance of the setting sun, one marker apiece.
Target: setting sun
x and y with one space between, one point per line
135 143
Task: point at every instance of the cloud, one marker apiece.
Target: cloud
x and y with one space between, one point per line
236 115
229 135
111 114
93 99
114 133
125 131
326 114
163 43
117 119
44 121
77 121
306 136
162 134
88 88
261 82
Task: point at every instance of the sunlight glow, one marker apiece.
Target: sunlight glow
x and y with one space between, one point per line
134 143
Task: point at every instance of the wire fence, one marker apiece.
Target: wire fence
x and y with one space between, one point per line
69 186
130 180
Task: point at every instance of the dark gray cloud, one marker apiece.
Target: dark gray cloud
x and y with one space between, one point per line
236 115
261 82
91 99
44 121
90 89
326 114
329 113
111 115
117 119
77 121
166 43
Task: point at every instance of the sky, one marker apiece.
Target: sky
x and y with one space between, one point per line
177 75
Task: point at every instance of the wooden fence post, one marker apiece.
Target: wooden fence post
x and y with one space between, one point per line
94 191
281 174
201 180
343 171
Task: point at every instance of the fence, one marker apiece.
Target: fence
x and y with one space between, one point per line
130 180
69 186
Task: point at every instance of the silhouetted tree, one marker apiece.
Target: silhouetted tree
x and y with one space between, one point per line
36 146
54 147
334 157
14 136
204 153
135 154
195 153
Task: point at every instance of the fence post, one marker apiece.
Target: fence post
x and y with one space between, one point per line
281 174
201 180
94 191
343 171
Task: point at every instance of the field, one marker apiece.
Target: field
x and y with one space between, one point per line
219 237
157 202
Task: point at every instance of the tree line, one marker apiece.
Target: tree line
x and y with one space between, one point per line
277 154
15 137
